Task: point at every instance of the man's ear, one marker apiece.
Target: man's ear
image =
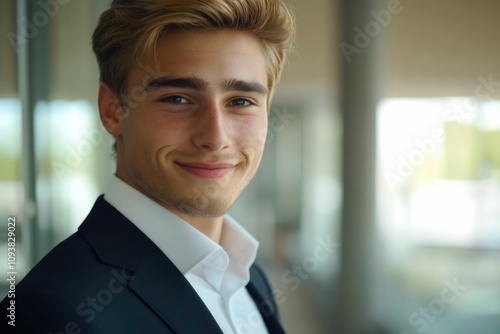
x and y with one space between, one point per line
109 110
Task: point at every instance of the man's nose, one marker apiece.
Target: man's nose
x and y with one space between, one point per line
212 130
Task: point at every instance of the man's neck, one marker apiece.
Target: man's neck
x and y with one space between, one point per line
209 226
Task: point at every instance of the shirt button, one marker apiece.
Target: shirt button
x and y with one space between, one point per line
218 263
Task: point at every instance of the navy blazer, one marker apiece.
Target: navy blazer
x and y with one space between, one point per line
109 277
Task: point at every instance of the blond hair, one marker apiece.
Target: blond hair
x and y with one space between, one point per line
128 31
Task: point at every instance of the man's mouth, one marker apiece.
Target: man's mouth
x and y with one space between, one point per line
207 170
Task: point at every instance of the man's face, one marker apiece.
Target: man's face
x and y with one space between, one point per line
195 137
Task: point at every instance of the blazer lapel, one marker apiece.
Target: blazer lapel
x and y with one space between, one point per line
161 286
266 306
156 280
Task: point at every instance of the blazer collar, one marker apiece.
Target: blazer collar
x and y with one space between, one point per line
117 242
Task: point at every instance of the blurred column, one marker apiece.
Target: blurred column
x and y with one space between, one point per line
33 77
28 173
361 81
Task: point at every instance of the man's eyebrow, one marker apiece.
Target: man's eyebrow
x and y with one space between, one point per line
244 86
202 85
190 83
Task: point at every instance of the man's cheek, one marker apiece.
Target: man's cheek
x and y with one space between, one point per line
255 134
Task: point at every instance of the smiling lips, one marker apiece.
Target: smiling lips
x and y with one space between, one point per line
206 170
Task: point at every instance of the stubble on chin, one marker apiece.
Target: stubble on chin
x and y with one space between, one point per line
210 199
207 199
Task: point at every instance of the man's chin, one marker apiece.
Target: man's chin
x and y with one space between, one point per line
202 207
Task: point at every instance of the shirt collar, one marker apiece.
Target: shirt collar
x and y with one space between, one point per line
183 244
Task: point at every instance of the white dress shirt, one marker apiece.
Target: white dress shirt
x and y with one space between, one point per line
218 273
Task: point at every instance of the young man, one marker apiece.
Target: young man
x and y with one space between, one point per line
185 91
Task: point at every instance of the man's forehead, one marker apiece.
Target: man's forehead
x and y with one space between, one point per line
179 65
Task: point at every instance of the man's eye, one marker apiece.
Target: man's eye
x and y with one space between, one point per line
240 103
175 100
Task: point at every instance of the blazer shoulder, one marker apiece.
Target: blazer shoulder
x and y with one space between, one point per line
66 263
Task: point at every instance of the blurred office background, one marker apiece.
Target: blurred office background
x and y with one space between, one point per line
377 203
